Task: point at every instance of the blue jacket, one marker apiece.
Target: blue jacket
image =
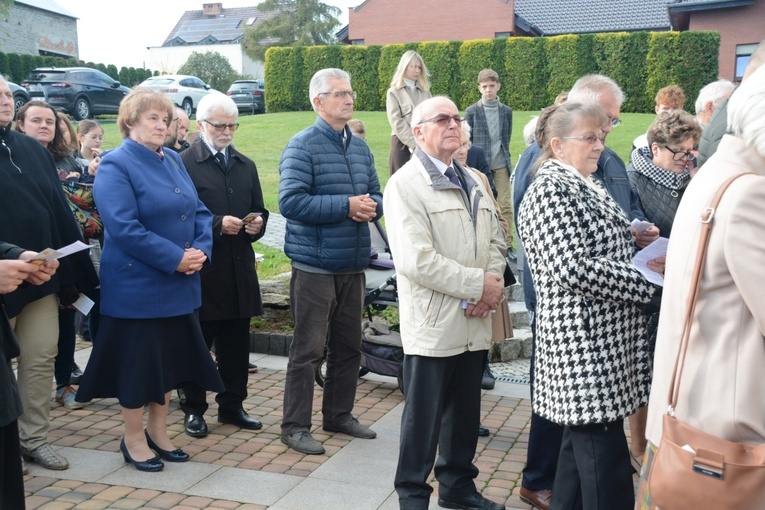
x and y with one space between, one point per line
611 172
318 173
151 214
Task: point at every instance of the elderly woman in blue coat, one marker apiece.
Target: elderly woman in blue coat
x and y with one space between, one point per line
158 235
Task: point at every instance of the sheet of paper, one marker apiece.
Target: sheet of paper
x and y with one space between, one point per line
641 226
83 304
49 254
654 250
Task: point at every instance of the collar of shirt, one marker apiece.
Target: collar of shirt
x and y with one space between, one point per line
213 150
589 181
440 165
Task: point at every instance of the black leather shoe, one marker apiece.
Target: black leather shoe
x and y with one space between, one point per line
195 425
487 379
176 455
473 502
153 464
482 431
239 418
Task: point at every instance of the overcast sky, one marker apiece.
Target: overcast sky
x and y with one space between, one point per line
120 35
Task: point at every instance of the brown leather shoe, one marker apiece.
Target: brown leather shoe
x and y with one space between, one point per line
537 499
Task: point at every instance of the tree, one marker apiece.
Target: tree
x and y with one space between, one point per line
295 23
212 68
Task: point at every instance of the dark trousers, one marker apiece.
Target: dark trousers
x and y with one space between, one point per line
326 309
594 470
442 410
399 154
67 337
11 479
232 350
544 440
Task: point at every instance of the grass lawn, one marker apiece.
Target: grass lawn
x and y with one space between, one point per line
263 138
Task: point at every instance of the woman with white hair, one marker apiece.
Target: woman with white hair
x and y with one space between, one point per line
408 88
721 388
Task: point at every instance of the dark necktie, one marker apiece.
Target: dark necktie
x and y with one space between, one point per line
452 176
221 159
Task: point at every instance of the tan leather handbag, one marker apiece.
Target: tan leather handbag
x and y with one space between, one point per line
692 469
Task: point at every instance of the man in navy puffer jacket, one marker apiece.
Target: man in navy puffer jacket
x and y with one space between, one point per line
328 192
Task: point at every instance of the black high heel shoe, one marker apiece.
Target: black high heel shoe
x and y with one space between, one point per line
176 455
153 464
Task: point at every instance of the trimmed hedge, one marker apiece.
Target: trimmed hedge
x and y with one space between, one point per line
532 70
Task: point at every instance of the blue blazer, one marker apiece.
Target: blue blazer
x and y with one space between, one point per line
151 214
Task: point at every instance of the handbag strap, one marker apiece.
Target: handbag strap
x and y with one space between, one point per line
707 215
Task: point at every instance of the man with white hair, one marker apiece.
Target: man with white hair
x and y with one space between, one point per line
711 96
328 192
718 124
228 185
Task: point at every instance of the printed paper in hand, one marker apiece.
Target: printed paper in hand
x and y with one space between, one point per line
654 250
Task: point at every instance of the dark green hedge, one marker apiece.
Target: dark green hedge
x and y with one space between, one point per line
532 70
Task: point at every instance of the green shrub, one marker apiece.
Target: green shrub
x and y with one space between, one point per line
389 56
699 64
662 63
3 64
361 63
474 56
441 56
316 58
524 87
15 68
622 56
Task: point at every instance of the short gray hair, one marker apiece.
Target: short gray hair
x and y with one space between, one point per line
320 82
216 101
717 92
589 88
746 111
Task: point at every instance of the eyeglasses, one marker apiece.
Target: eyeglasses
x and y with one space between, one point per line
340 94
614 122
442 120
222 127
680 155
590 139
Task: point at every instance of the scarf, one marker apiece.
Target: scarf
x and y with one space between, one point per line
642 161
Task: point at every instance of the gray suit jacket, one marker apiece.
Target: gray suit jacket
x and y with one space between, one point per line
713 133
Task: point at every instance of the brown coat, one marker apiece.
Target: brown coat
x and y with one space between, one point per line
722 390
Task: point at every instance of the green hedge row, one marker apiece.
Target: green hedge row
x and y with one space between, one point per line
16 68
532 70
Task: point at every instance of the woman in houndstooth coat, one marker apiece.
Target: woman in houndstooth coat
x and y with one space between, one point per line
590 370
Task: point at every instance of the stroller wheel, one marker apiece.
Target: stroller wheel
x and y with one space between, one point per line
321 372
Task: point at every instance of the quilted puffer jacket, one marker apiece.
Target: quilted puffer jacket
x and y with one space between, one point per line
319 170
658 202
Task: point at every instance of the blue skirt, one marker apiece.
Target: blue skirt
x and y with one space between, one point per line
138 361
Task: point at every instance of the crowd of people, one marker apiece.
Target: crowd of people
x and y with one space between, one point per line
170 219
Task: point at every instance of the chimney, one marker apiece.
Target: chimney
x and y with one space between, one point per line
212 9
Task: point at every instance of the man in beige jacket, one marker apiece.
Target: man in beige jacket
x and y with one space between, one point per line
449 252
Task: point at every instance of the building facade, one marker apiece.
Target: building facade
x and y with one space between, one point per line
39 27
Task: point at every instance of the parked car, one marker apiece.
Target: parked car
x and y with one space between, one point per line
81 92
249 95
20 95
184 91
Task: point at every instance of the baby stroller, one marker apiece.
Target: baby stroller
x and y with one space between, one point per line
381 349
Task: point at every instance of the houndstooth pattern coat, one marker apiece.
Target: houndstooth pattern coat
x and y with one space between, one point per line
590 364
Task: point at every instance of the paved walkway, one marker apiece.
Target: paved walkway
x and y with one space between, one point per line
237 469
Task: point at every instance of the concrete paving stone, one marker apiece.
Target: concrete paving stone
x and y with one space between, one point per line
384 446
166 500
224 505
114 493
246 486
92 504
84 465
128 504
175 477
318 493
56 505
361 470
33 502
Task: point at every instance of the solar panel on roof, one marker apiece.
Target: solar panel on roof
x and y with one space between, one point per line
223 29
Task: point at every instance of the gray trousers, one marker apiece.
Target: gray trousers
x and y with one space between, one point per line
327 310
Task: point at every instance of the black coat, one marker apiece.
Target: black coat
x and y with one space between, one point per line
230 288
36 216
476 158
10 401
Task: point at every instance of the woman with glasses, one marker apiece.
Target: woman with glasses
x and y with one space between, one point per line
409 87
158 236
659 174
90 135
589 365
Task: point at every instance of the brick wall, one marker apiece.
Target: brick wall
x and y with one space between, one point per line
29 31
400 21
740 25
